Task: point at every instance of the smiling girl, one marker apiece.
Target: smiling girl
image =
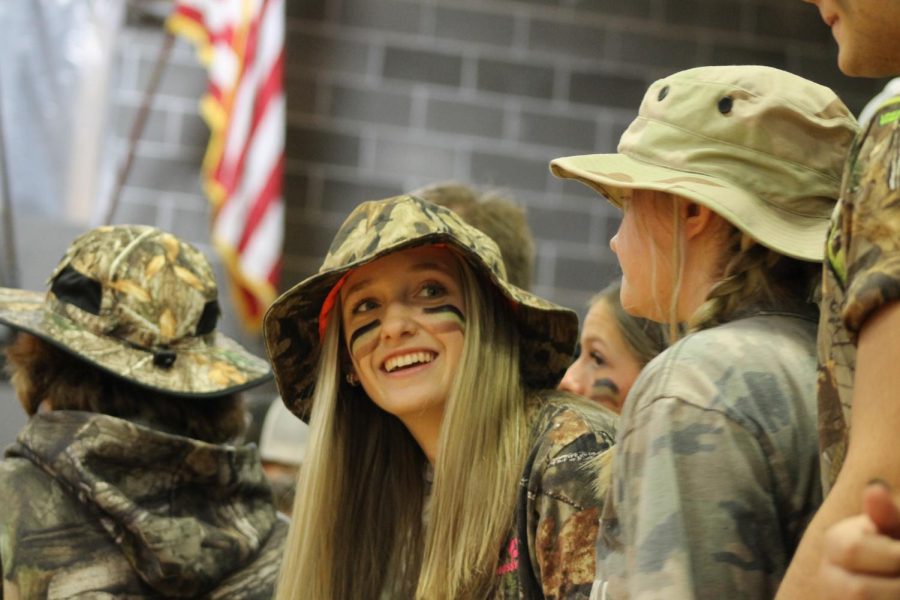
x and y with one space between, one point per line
441 464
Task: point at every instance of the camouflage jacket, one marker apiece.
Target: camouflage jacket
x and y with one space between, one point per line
99 507
861 274
550 552
716 470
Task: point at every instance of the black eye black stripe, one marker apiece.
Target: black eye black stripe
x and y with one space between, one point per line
445 308
364 330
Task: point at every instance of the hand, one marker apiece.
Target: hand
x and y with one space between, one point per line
862 553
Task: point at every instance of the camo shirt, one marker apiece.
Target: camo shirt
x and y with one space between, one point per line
716 469
550 552
99 507
861 274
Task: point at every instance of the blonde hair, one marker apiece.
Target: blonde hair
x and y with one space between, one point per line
751 278
358 529
757 278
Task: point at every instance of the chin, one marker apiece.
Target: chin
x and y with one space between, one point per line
854 65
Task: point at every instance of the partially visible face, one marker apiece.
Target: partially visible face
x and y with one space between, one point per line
643 245
605 368
867 33
404 327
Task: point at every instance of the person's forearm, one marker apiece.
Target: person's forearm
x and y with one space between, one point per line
875 426
801 575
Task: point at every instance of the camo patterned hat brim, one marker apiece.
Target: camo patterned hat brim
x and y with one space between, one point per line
139 304
547 332
761 147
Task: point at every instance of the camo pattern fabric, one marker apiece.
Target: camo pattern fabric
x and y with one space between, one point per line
861 274
550 552
716 470
99 507
547 332
140 304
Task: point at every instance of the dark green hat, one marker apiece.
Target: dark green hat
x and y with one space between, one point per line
547 332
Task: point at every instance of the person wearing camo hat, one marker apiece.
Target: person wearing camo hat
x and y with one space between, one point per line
126 482
441 462
726 180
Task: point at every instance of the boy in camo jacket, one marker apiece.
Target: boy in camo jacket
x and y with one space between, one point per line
726 179
858 337
126 482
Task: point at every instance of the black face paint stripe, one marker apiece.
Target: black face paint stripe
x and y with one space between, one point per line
363 330
445 308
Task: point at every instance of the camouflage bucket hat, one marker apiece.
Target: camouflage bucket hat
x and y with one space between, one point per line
141 305
547 332
759 146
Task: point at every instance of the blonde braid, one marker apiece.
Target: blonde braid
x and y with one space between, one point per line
754 278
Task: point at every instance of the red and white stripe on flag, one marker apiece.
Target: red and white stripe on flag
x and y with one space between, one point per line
241 42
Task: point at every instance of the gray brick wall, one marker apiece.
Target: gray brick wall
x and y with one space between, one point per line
388 95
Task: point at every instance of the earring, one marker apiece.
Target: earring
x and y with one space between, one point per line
352 379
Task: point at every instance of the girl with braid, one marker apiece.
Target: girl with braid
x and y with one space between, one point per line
441 463
726 181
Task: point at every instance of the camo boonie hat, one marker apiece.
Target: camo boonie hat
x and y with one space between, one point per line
547 332
140 304
761 147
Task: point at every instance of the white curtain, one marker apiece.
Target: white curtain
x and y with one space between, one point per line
55 66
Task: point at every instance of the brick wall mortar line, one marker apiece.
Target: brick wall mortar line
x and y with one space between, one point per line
581 111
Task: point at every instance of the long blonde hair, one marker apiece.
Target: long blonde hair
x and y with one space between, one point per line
359 529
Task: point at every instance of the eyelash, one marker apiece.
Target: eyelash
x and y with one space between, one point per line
358 307
598 360
432 285
439 289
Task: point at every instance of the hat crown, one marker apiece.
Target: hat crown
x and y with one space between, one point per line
377 227
776 135
137 284
547 332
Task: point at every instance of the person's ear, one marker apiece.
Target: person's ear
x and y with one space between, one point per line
698 219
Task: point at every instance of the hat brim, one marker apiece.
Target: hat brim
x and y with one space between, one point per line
547 332
208 366
795 235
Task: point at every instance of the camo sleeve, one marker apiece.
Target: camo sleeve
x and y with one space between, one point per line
864 247
695 504
563 513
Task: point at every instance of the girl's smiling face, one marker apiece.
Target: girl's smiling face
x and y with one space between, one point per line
404 325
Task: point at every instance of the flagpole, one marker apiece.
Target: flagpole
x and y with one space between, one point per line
9 274
137 128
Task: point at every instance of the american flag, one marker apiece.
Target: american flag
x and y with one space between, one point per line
241 42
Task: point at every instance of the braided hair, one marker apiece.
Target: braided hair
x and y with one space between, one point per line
756 278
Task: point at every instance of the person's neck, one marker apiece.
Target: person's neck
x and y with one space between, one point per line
425 427
701 271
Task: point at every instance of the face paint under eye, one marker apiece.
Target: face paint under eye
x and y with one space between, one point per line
605 388
450 317
359 335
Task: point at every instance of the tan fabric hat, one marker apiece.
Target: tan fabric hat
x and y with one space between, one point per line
547 332
141 304
761 147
